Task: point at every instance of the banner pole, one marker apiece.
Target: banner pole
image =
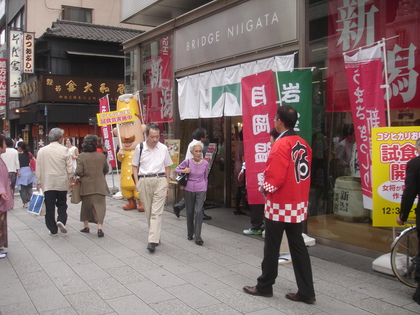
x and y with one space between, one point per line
386 86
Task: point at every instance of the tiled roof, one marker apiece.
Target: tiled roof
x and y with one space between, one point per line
80 30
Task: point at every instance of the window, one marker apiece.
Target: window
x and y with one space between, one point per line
77 14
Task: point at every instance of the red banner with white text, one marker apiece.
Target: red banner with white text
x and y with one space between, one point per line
158 96
258 112
107 132
364 78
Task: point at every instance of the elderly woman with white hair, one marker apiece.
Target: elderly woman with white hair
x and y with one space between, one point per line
195 190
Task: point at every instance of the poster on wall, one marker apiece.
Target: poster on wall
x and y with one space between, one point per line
355 24
159 92
392 148
174 146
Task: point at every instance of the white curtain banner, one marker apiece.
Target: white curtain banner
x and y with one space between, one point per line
188 94
220 90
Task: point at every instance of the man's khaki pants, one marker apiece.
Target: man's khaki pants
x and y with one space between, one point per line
152 192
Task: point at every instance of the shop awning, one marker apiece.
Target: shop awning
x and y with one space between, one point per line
217 93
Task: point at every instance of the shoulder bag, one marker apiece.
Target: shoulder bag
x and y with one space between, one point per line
182 178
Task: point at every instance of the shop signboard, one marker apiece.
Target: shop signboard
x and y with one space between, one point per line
392 148
28 52
240 29
72 89
3 81
15 63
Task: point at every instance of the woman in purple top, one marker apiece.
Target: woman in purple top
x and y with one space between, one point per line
196 189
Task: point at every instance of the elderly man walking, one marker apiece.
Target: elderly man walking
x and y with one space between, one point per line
54 169
151 163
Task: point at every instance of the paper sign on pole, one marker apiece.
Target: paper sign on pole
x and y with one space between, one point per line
115 117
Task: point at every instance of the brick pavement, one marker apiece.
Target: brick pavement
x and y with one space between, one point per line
78 273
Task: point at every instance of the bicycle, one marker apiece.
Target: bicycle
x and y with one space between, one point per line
404 250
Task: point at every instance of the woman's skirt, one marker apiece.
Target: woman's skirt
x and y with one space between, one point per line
3 229
93 208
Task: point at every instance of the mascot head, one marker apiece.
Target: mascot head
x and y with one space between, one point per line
131 133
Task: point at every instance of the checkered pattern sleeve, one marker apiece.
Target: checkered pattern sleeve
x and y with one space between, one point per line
268 187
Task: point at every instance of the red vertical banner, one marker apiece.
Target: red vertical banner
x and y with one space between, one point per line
159 102
3 81
364 78
258 112
107 132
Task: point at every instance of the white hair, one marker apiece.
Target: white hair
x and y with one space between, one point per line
193 144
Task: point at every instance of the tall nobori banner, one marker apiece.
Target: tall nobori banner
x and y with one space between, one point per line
295 88
107 132
259 106
364 79
392 148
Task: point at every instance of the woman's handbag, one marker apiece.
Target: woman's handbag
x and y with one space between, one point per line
182 178
75 192
36 204
32 162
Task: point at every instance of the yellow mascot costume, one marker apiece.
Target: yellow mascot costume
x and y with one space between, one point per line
130 134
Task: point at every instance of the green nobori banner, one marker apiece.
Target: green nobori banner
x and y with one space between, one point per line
295 88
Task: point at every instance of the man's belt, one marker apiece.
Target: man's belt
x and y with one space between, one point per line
154 175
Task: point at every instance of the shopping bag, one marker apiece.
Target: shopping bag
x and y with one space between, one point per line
75 192
36 204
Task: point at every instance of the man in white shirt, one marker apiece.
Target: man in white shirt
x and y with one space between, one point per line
54 169
152 180
11 159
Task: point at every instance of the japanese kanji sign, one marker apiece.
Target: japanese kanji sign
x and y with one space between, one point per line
354 24
3 81
392 148
158 97
107 132
28 52
15 63
364 78
115 117
259 106
294 88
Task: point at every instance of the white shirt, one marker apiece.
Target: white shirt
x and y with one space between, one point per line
11 159
153 161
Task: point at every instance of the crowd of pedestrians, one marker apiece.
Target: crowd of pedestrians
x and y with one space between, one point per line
286 193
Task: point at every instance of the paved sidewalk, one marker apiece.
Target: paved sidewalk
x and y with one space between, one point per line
78 273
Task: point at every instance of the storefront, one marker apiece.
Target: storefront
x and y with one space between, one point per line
67 102
218 37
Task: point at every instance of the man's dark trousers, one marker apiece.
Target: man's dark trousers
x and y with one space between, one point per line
55 198
300 257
